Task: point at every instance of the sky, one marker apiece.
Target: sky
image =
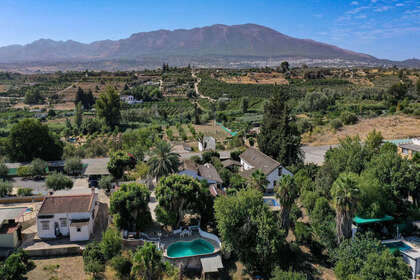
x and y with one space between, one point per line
383 28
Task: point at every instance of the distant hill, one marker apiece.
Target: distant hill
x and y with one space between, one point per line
216 45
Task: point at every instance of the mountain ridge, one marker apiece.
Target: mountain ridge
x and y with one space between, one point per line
239 44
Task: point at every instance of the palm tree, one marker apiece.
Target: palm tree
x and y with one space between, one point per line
344 192
286 192
163 161
258 180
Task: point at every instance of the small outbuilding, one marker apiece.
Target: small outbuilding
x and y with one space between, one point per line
10 228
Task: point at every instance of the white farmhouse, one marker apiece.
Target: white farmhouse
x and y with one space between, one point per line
207 144
67 215
252 160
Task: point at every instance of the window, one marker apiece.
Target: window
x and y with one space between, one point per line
78 229
45 225
63 222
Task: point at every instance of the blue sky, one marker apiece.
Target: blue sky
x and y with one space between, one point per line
383 28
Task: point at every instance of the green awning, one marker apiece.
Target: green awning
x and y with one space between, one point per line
360 221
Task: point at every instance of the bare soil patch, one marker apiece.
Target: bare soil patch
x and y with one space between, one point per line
69 268
391 127
257 78
212 130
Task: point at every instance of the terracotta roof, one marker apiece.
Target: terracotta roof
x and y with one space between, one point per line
260 160
66 204
208 171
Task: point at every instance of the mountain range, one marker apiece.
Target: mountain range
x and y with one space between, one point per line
211 46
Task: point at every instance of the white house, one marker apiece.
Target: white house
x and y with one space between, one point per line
67 215
129 99
252 160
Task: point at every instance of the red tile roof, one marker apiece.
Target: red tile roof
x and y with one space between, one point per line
66 204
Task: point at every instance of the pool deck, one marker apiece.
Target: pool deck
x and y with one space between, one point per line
414 252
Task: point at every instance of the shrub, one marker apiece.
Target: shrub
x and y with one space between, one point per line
122 266
303 233
58 181
73 166
348 117
24 192
24 171
336 124
5 188
38 167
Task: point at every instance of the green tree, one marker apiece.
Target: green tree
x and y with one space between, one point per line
29 139
397 92
5 188
177 194
33 96
258 180
119 162
245 105
147 262
286 192
108 107
16 266
345 193
385 266
105 183
24 192
24 171
78 115
94 259
4 170
122 266
418 87
284 66
129 206
249 229
38 167
58 181
73 166
111 243
279 136
163 161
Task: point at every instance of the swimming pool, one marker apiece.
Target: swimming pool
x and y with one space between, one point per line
189 248
399 245
271 202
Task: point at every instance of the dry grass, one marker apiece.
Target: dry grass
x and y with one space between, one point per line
391 127
67 106
69 268
258 78
209 130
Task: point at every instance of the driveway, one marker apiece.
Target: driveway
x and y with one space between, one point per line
315 154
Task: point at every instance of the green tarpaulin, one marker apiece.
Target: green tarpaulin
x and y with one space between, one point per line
359 220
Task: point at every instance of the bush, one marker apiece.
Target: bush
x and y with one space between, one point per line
24 192
122 266
38 167
58 181
5 188
4 171
24 171
336 124
303 233
105 183
73 166
348 117
111 243
287 275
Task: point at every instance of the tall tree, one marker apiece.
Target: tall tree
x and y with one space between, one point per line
78 115
129 206
147 262
286 192
29 139
284 66
248 228
108 107
345 193
93 259
16 266
279 136
163 161
120 161
245 105
177 194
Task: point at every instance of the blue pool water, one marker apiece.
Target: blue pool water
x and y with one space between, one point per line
189 248
271 202
399 245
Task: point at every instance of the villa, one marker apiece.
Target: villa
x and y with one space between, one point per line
409 149
67 215
205 172
253 160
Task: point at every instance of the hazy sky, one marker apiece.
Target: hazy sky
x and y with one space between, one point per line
383 28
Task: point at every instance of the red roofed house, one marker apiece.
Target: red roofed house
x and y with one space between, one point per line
67 215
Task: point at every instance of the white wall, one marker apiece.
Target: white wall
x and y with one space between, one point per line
246 165
83 235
